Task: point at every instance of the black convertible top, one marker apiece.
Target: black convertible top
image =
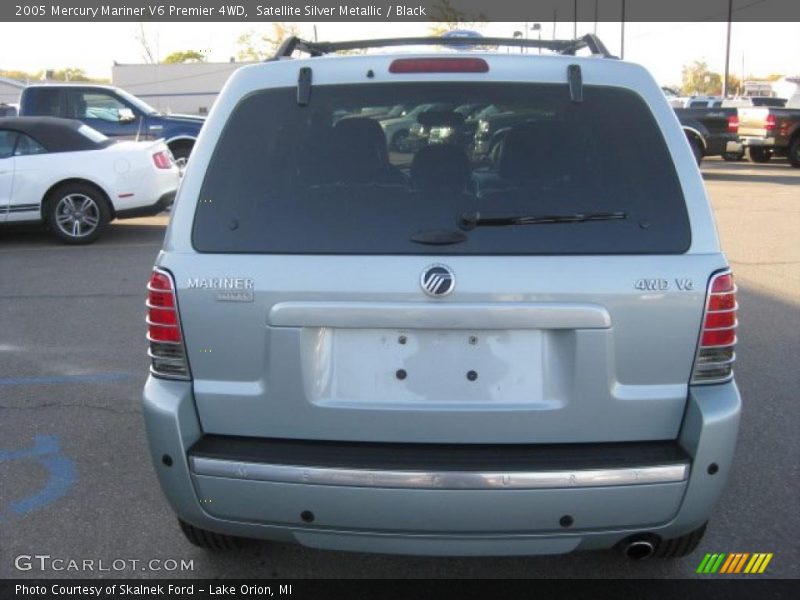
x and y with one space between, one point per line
56 135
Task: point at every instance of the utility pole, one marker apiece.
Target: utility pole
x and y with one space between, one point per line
575 27
596 2
622 34
538 28
727 50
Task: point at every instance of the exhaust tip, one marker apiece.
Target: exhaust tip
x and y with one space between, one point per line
640 549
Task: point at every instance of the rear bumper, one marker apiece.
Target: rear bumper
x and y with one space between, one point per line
160 205
766 142
382 508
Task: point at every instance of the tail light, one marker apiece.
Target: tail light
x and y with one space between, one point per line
733 124
715 351
162 160
439 65
167 351
770 123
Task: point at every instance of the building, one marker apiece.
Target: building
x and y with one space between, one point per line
10 89
188 88
789 88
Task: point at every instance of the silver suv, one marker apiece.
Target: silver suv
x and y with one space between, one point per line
360 348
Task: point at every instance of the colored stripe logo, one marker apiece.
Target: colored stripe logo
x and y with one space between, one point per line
733 563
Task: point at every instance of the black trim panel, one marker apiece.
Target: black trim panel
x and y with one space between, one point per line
434 457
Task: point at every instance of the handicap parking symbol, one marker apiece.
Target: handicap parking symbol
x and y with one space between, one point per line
46 450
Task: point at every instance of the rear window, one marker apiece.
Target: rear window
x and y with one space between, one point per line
405 168
42 102
771 102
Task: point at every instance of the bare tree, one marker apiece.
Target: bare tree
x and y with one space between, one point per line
257 46
147 53
447 17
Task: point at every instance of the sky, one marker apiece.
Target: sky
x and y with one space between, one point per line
661 47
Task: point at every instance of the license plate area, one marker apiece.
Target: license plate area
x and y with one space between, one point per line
432 367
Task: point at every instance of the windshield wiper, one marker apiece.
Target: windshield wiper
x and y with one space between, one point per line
469 221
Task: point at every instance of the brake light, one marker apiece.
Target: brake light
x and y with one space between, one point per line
162 160
733 124
715 353
439 65
167 351
770 123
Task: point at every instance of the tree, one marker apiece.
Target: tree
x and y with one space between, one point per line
147 53
184 56
698 79
446 18
255 46
68 74
71 75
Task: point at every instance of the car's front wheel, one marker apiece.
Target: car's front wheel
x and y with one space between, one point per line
77 213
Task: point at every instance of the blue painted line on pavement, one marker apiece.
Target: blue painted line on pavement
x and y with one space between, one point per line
54 379
42 445
61 473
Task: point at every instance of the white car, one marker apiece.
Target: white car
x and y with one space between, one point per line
75 180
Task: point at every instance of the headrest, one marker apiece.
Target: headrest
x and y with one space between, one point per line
440 166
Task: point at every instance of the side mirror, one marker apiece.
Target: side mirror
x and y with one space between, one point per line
125 115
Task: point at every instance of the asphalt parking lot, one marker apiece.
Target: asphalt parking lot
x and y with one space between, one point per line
75 476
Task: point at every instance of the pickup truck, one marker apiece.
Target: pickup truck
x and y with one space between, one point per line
113 112
711 131
768 132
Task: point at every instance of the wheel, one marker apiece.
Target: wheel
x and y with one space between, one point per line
794 153
680 546
398 142
77 213
697 150
208 539
757 154
180 152
733 156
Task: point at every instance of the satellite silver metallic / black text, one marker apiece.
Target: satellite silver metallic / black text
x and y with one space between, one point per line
343 10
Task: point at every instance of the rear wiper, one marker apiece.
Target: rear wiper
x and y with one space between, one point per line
472 220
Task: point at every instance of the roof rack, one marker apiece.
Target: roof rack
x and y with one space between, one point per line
567 47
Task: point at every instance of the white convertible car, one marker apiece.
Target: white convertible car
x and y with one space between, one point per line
75 180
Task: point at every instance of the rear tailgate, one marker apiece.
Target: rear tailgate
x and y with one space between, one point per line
561 352
300 288
753 121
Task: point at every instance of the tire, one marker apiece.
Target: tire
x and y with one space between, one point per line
77 213
680 546
399 140
794 153
757 154
697 150
209 540
733 156
180 152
